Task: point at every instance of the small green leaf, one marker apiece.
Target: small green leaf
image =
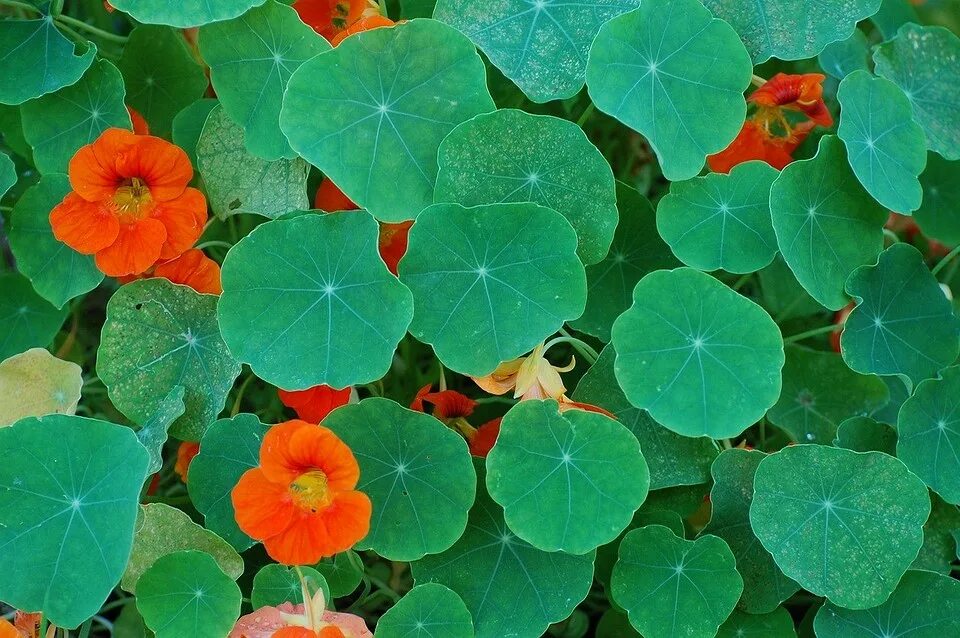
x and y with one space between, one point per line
776 624
607 554
153 433
185 13
35 383
188 126
8 172
939 549
277 584
897 387
426 611
37 59
656 67
343 572
28 320
842 58
892 15
863 434
937 215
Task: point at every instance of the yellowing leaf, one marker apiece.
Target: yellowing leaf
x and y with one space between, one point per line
35 383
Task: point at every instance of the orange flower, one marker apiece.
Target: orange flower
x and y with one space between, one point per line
366 23
393 243
193 268
7 630
331 199
314 404
329 17
185 454
803 93
447 404
311 620
140 126
483 441
130 205
301 501
755 143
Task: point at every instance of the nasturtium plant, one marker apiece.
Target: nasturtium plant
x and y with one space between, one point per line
864 434
155 431
427 610
187 13
941 195
35 383
275 584
842 58
776 624
30 321
37 59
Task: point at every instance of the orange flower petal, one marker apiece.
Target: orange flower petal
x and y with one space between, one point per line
331 199
184 218
137 248
185 454
85 227
165 167
312 536
93 171
447 404
295 632
314 404
366 23
194 269
140 126
275 460
328 17
485 438
752 143
262 508
317 447
7 630
393 243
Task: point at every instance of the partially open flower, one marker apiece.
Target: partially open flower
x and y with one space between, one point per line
312 620
372 20
530 377
185 454
330 17
314 404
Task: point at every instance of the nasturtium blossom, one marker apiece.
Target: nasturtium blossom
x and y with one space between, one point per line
367 22
310 620
330 17
447 404
193 268
314 404
485 438
140 126
130 205
185 454
300 501
331 199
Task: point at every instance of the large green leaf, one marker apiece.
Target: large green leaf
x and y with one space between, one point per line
924 605
903 323
542 46
863 434
491 282
59 123
315 285
721 220
673 587
36 383
277 584
37 59
672 459
511 588
238 182
826 223
937 215
922 62
416 471
776 624
389 96
68 503
842 58
512 156
791 29
161 75
28 320
607 554
159 335
154 432
185 13
571 495
187 594
828 516
886 148
703 360
424 610
658 67
764 585
251 60
820 391
58 272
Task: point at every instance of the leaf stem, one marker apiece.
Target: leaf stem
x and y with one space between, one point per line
587 112
580 346
19 5
92 30
813 333
739 283
946 260
757 81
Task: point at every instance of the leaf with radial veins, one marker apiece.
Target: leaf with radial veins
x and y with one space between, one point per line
571 496
277 584
313 284
675 74
764 585
28 320
512 156
510 587
820 391
842 58
491 282
924 605
68 502
59 123
721 220
827 515
938 215
426 611
776 624
863 434
673 587
607 554
37 59
703 360
886 148
826 223
159 335
251 60
36 383
390 97
923 62
903 323
185 13
791 29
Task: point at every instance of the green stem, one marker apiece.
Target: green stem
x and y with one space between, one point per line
496 399
946 260
584 349
813 333
92 30
214 243
587 112
763 434
236 404
56 8
739 283
892 236
19 5
85 628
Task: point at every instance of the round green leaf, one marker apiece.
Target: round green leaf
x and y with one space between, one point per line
159 335
68 502
186 594
35 383
425 611
313 284
185 13
491 282
390 96
863 434
416 471
939 549
154 432
161 75
791 29
675 587
826 223
923 62
277 584
188 125
343 572
607 554
238 182
937 215
776 624
163 530
897 386
509 586
672 459
828 516
886 148
59 123
903 323
842 58
229 448
721 220
636 250
58 272
656 67
512 156
701 359
37 59
583 476
764 585
251 60
924 605
820 391
892 15
28 320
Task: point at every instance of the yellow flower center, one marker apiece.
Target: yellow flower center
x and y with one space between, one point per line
132 200
310 491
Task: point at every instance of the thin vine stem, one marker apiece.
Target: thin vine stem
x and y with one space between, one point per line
946 260
813 333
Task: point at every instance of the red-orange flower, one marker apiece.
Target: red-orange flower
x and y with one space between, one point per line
393 243
366 23
329 17
194 269
314 404
140 126
447 404
301 500
130 206
331 199
803 93
485 437
185 454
